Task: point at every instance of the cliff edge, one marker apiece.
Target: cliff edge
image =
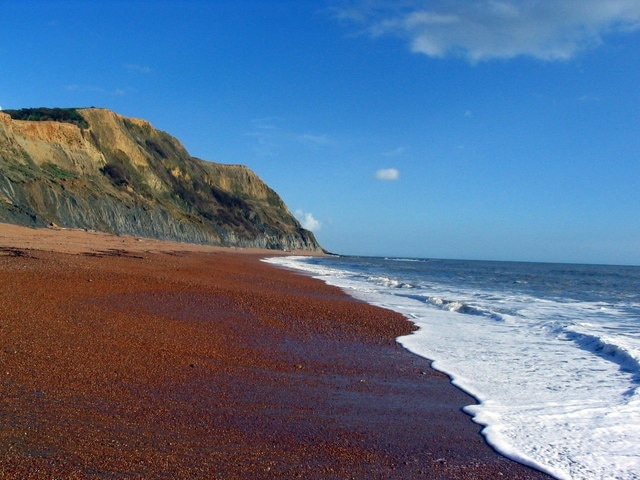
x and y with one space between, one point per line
94 169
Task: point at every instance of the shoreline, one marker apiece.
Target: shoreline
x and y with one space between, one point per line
134 358
406 341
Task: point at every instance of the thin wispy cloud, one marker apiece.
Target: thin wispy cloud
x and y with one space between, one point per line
480 30
134 67
388 174
270 136
312 139
96 89
396 152
74 87
589 98
266 123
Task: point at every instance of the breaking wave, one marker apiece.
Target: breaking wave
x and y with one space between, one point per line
607 347
390 282
462 307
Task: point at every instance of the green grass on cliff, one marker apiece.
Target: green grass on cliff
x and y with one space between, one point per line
57 172
64 115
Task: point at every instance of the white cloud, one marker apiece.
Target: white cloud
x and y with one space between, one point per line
307 221
480 30
388 174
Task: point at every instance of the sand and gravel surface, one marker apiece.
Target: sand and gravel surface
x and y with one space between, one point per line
129 358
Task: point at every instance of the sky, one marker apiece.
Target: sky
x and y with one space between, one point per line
478 129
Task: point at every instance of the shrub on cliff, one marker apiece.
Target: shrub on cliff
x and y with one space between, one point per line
64 115
117 174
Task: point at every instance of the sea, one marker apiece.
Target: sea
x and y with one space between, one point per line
551 352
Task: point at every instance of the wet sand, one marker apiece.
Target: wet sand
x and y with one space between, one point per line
125 358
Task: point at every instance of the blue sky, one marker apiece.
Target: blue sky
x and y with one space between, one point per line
483 129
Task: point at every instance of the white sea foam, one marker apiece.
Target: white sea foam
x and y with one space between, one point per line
556 379
405 259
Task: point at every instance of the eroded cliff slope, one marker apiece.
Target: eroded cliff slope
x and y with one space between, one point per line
120 175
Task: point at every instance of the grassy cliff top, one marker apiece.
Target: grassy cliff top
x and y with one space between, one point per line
41 114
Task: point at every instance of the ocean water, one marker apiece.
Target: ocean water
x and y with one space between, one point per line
550 351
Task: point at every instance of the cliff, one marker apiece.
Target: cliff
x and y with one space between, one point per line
120 175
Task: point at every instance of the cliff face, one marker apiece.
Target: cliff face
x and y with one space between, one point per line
122 176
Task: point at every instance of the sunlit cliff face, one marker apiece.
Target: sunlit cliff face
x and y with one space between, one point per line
123 176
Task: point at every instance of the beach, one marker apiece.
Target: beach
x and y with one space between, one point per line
132 358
